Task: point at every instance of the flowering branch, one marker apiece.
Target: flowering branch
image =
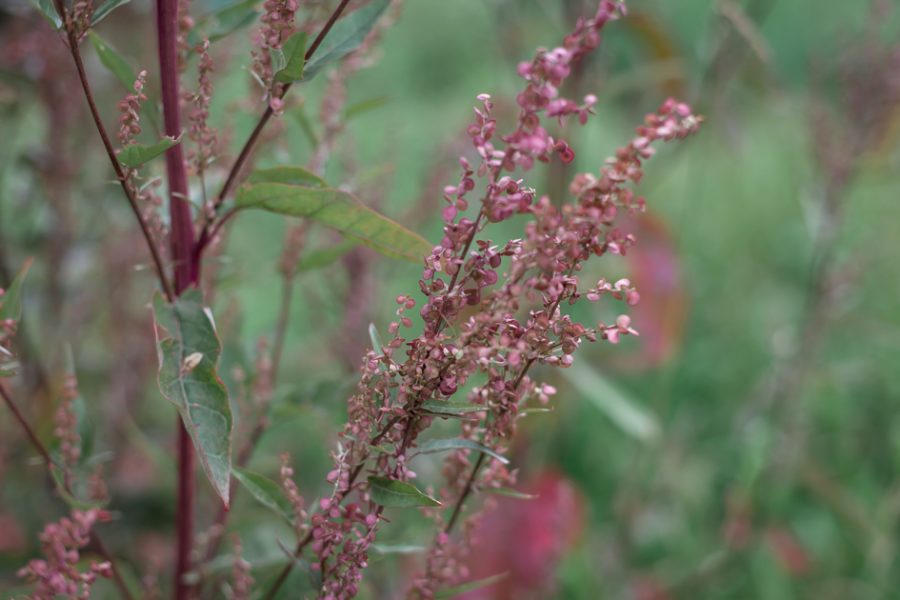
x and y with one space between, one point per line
74 30
209 229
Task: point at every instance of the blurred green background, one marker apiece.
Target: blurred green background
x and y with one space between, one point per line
747 445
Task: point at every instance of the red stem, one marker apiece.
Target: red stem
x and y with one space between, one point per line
186 266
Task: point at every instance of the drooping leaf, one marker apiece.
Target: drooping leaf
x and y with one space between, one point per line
392 493
509 492
66 495
452 409
223 22
293 52
345 37
184 328
104 8
266 491
135 155
339 210
48 11
316 259
465 588
11 300
625 412
444 445
113 61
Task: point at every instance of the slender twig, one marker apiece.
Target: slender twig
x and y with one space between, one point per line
465 493
207 233
121 176
41 449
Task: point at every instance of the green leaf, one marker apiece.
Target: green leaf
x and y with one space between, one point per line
293 53
135 155
224 22
509 492
339 210
452 409
113 61
323 257
188 351
289 175
106 7
375 338
464 588
11 300
625 412
266 491
48 11
444 445
392 493
345 37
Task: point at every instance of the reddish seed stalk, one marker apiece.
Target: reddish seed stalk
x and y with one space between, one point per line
186 266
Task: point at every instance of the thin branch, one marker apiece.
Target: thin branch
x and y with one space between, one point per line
206 235
48 460
110 150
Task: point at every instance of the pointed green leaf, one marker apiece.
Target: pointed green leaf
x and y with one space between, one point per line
104 8
392 493
465 588
345 37
452 409
316 259
509 492
11 300
113 61
266 491
289 175
188 351
48 11
339 210
135 155
433 446
224 22
293 52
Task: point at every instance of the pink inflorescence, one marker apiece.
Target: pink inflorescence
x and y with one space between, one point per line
490 310
130 111
56 575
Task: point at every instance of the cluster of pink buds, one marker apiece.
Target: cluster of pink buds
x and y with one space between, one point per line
130 111
277 25
203 136
57 575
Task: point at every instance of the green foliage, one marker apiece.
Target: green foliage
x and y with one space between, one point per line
188 351
456 410
266 491
102 10
11 301
307 197
135 155
398 494
471 586
113 61
293 57
345 37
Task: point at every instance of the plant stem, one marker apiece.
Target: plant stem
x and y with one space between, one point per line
186 266
110 151
48 460
465 493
